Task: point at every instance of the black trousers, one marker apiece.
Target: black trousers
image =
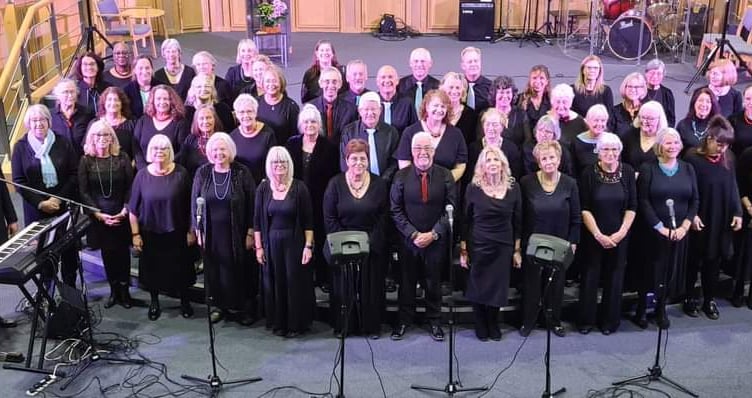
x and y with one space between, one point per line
709 270
536 279
611 264
426 262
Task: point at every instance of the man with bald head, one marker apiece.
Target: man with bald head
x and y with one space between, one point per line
420 81
336 113
396 111
419 195
356 74
478 85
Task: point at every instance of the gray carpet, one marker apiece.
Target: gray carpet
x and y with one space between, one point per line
706 356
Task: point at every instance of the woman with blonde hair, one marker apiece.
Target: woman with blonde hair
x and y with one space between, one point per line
633 90
722 77
203 93
491 239
590 87
240 75
104 182
464 117
535 100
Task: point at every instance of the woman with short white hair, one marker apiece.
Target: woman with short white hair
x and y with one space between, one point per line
205 63
252 137
175 73
584 151
570 122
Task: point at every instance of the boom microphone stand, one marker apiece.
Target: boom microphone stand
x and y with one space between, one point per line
214 382
452 387
655 373
718 51
545 301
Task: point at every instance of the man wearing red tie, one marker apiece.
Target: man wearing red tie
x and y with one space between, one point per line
336 113
419 195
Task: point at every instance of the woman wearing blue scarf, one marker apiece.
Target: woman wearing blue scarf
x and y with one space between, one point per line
45 161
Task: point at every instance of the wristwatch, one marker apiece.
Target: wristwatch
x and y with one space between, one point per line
434 235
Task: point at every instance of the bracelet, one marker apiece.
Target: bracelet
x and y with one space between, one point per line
309 246
135 234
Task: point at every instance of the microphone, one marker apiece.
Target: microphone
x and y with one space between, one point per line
200 203
450 214
671 212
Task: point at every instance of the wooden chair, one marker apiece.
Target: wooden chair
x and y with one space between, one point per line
741 41
124 25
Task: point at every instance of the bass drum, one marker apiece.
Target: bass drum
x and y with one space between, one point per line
624 37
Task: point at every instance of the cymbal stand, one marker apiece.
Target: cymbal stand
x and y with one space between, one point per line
528 34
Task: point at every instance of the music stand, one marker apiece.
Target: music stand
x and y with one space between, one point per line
348 250
554 254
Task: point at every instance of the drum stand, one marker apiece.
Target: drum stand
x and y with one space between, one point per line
718 51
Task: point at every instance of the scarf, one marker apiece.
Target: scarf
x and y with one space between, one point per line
42 152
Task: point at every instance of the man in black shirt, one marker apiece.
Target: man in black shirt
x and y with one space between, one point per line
478 85
396 111
336 113
419 195
356 74
420 81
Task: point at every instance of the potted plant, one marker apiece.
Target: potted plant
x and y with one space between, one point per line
271 13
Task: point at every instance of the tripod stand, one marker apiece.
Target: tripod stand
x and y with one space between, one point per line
718 51
528 34
452 387
95 357
547 24
213 381
655 373
88 33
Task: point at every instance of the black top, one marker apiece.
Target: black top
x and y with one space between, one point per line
320 167
608 201
554 213
133 92
176 131
407 86
582 102
530 164
89 96
731 103
225 92
252 151
719 203
309 87
482 89
518 128
533 114
654 187
112 80
664 96
105 182
508 148
490 219
468 124
282 117
633 153
27 170
343 113
183 85
238 81
386 139
571 128
692 131
744 173
408 211
162 203
224 113
450 151
73 130
402 111
621 121
583 153
191 155
742 133
344 212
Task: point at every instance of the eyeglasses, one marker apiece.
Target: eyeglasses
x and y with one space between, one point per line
279 162
160 148
649 118
629 86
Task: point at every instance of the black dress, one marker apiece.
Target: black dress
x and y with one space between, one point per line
742 133
176 131
621 120
289 300
450 151
554 213
105 183
743 258
691 131
730 103
534 114
570 128
583 101
230 270
584 153
654 187
492 227
664 96
607 200
468 124
238 81
162 206
633 153
282 117
508 148
252 151
719 203
181 86
517 127
370 213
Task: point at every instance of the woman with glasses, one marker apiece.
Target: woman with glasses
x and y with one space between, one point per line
639 143
89 74
69 119
253 138
104 181
590 87
547 130
633 90
283 230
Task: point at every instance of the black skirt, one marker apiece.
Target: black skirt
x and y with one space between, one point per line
165 264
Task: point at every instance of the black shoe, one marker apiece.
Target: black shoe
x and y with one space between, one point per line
606 331
7 323
125 299
494 333
280 332
710 308
559 331
525 331
398 333
154 311
186 310
111 301
481 333
690 308
585 329
437 334
374 336
737 301
640 319
216 316
293 334
246 319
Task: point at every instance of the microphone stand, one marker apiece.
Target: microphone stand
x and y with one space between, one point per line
545 304
214 382
655 373
452 387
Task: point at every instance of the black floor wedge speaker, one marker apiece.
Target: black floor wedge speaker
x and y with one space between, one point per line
477 20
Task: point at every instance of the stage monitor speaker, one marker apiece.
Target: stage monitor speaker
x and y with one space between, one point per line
477 20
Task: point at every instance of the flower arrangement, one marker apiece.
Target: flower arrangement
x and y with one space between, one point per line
272 12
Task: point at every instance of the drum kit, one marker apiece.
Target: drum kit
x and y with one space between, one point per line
631 28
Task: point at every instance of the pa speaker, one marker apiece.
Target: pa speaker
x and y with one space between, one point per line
477 20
